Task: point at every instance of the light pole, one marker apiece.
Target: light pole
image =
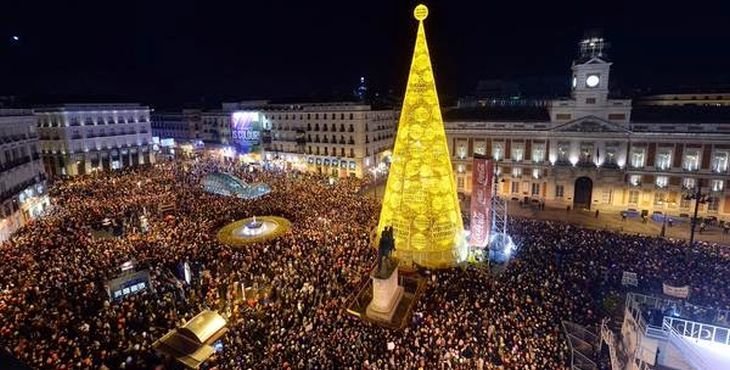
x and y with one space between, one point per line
696 194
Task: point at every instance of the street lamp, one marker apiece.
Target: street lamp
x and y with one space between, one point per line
696 194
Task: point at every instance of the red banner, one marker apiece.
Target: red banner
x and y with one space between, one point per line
481 200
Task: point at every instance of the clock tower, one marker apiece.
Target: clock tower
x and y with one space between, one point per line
590 73
589 87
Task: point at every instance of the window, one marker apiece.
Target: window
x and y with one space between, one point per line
586 152
610 155
517 172
635 180
536 173
637 157
689 183
535 189
720 161
538 153
515 187
559 191
691 160
497 151
590 100
660 198
480 148
662 181
633 197
518 151
717 185
713 204
616 116
563 148
684 202
663 159
460 182
461 151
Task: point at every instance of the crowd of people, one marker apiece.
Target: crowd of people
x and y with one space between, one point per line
56 314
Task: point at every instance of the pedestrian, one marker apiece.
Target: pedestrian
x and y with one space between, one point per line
597 212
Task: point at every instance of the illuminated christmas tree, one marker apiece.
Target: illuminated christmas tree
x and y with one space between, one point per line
420 201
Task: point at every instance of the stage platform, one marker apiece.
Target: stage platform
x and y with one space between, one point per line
413 285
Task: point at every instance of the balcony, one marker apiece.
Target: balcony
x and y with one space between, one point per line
15 163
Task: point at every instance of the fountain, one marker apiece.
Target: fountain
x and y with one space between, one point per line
253 230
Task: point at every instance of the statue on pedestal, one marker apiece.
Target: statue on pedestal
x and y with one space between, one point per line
386 248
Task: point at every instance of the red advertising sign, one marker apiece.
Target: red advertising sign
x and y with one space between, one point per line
481 200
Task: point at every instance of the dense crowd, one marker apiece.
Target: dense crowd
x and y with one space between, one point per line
55 313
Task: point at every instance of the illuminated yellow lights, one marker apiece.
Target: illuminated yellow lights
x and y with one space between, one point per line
420 199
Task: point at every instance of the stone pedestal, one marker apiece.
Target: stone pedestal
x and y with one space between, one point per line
386 293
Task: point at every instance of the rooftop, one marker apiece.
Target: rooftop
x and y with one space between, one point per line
505 114
680 114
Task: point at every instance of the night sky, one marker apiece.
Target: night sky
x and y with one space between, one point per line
169 53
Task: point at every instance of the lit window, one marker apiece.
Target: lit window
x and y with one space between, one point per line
480 149
663 160
538 153
517 172
691 160
720 162
717 185
497 151
610 155
689 183
637 157
635 180
662 181
517 152
461 152
563 151
536 173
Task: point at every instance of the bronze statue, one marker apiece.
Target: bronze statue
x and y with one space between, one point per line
386 246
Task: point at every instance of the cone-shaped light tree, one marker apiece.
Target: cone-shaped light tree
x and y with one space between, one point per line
420 202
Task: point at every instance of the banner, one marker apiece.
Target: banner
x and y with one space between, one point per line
629 278
481 200
676 291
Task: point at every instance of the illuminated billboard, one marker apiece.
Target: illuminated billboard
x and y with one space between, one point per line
246 129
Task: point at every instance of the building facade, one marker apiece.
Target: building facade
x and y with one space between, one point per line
181 126
177 132
338 139
80 138
593 151
23 194
700 99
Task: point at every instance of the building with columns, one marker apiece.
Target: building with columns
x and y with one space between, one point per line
23 193
597 152
80 138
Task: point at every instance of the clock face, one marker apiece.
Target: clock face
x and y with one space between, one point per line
575 81
592 81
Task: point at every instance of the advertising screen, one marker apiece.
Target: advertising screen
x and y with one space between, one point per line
246 131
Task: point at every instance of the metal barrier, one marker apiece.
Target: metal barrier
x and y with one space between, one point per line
584 346
680 341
